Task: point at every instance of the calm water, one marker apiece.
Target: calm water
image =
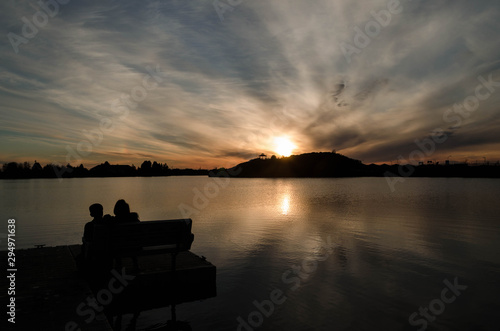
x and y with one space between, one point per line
386 255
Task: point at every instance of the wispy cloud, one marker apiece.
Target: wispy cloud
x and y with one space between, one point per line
225 82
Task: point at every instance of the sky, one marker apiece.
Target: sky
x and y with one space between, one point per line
214 83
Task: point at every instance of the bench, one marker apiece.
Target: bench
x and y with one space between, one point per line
141 238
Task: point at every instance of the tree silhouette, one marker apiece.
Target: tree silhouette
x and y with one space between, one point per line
146 168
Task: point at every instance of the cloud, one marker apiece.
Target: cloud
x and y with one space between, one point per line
270 69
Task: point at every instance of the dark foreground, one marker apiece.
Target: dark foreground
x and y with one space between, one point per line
51 294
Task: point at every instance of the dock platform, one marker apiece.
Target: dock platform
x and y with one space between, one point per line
51 294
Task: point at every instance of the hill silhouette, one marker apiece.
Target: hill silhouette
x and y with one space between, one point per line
318 164
326 164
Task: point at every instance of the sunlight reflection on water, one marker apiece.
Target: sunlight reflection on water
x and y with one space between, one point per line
285 205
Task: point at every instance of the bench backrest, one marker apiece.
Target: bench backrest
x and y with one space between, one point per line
168 235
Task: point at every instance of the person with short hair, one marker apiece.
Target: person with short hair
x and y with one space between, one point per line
96 211
92 260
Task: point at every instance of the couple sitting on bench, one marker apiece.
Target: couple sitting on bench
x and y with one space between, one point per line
101 225
108 238
122 215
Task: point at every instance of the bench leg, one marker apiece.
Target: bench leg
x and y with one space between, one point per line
119 263
174 258
136 264
172 311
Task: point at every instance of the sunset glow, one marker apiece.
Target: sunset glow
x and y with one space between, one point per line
283 146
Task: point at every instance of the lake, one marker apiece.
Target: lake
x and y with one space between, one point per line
328 254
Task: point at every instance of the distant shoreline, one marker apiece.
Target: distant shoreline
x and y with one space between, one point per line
25 170
309 165
275 177
106 177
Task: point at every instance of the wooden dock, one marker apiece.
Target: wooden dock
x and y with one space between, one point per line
51 294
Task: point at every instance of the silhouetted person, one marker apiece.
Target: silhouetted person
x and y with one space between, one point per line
96 211
123 214
94 258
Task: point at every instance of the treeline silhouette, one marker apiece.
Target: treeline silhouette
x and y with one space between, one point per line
14 170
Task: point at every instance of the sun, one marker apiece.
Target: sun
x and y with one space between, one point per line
283 146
